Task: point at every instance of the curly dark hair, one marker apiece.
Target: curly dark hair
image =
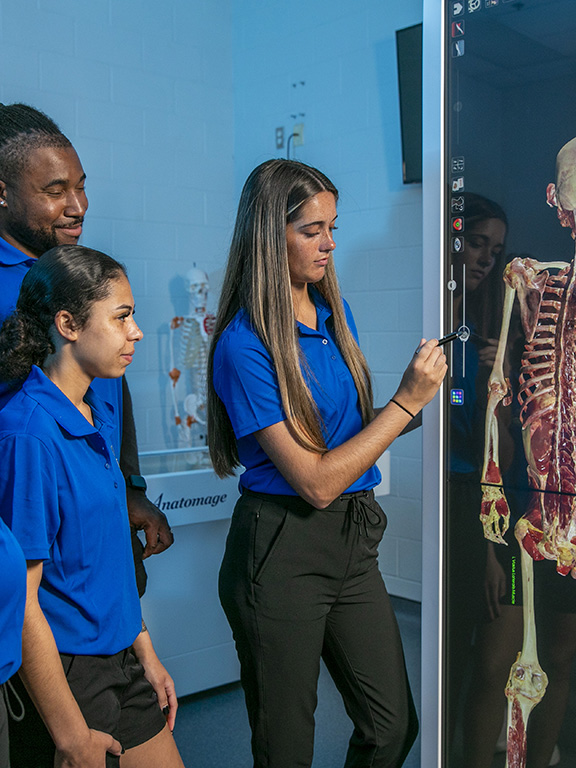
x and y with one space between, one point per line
68 277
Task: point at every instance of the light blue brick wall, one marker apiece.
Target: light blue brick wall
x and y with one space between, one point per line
144 91
345 53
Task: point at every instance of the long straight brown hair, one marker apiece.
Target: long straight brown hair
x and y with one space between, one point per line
257 280
486 303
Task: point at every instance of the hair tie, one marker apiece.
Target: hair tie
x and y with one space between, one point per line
412 416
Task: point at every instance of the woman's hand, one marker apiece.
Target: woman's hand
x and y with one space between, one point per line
90 753
158 677
423 376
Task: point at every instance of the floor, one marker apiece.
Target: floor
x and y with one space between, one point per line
212 728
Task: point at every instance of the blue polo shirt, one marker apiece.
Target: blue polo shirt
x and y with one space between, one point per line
12 602
13 266
63 496
246 382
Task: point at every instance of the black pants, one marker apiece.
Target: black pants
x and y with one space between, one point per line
114 697
298 584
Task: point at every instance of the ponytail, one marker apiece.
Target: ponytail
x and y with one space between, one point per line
68 277
23 343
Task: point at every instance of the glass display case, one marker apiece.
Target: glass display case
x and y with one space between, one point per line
181 605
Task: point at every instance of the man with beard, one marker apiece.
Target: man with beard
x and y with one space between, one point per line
42 204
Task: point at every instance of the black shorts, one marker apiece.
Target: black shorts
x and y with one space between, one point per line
114 696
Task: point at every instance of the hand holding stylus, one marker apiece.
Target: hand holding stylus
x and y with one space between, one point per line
463 334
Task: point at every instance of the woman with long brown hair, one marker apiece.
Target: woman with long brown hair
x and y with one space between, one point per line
290 399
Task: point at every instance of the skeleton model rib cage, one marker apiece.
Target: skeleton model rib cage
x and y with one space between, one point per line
189 341
546 294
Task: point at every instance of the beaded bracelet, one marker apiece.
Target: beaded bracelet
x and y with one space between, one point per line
412 416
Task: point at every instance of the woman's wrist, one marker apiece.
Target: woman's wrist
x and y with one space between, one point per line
403 408
405 404
144 649
69 741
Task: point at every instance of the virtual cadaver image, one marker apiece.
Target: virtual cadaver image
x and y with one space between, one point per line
509 648
545 292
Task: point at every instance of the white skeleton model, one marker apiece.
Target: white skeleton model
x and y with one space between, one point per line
548 417
189 341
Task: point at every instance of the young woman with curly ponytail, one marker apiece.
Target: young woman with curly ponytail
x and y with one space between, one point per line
87 659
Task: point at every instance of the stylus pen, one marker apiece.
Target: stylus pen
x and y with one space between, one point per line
450 337
463 333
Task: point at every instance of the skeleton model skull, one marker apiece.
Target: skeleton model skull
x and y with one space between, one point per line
189 340
547 296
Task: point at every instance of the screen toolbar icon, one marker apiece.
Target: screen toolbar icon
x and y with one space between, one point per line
457 397
458 184
457 28
457 244
457 9
457 48
457 204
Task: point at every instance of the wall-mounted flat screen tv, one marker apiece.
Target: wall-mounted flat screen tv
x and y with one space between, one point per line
409 55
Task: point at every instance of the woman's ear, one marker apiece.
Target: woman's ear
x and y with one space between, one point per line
65 325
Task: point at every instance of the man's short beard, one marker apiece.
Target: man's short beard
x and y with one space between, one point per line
36 240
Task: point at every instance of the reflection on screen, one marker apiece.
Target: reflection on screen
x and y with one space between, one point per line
510 623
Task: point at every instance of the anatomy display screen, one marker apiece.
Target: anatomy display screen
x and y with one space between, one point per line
510 594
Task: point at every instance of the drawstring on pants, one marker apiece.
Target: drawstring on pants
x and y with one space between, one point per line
360 512
7 690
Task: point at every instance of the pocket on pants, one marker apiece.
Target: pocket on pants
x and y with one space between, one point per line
270 525
67 662
376 523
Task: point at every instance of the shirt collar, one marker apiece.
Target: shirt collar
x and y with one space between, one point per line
323 312
9 255
39 387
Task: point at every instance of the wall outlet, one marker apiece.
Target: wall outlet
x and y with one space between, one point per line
298 133
280 137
